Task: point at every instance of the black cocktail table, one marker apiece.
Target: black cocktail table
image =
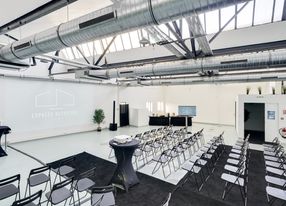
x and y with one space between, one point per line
3 130
124 175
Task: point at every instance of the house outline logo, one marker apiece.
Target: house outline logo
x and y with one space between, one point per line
56 98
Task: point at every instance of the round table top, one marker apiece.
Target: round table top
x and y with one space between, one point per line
133 143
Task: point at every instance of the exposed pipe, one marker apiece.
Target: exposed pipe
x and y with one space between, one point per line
109 21
71 62
246 61
209 80
75 81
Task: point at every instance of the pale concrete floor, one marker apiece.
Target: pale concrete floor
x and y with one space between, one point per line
96 143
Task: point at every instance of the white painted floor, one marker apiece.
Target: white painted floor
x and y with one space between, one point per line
96 143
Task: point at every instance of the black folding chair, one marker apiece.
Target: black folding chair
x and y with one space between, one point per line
8 187
39 176
61 192
66 166
84 182
162 160
103 196
30 201
238 180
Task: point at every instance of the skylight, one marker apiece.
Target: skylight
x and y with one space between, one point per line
256 12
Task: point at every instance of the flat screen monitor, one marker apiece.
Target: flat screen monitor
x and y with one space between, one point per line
187 111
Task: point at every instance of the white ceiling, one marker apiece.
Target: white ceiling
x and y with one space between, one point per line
74 10
13 9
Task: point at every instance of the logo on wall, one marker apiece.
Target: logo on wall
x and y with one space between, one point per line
54 104
58 99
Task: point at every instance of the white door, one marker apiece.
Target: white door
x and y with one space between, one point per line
271 122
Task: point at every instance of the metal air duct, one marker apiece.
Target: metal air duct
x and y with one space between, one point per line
244 61
112 20
210 80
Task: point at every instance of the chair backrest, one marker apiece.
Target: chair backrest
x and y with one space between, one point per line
168 200
88 174
40 170
68 160
62 184
31 199
10 180
105 196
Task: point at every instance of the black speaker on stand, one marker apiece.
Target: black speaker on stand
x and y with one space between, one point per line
113 125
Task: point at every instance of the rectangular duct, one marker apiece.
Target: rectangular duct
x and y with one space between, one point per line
126 72
23 46
234 61
272 77
97 20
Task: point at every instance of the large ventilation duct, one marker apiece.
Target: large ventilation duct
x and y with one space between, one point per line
112 20
210 80
244 61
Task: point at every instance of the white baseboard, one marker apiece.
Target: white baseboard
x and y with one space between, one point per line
15 137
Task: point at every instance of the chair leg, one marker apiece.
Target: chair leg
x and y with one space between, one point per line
224 190
155 168
26 190
198 187
55 178
78 197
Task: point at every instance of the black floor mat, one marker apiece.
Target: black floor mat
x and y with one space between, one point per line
153 192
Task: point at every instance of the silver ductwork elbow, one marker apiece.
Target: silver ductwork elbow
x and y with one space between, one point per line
112 20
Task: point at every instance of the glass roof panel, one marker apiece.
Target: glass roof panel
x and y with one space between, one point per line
244 18
135 39
118 43
185 29
263 11
226 14
202 19
69 53
126 41
85 50
279 5
104 42
98 47
76 53
90 46
112 47
212 22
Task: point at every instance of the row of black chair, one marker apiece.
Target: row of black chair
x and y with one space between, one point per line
275 162
204 159
236 169
62 191
176 151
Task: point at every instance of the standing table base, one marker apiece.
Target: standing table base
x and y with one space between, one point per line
4 130
124 175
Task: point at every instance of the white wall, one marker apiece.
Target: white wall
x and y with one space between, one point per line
137 97
275 103
215 102
35 109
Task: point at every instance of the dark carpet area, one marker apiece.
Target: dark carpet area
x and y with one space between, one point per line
153 192
150 191
213 188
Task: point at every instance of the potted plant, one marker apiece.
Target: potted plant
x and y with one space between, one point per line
98 118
